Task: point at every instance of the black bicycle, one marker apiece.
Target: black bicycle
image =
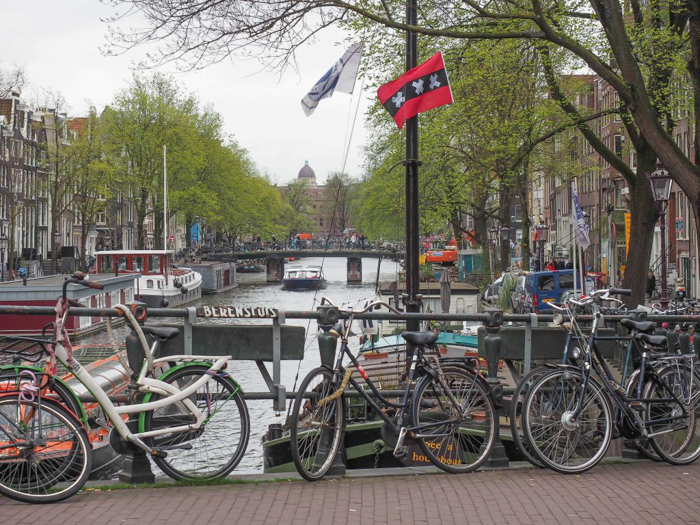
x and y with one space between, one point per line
447 408
568 417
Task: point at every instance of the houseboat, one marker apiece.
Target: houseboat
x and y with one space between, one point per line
157 281
304 278
45 291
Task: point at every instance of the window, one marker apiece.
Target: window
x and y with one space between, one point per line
518 212
106 264
619 143
149 283
154 264
566 281
545 282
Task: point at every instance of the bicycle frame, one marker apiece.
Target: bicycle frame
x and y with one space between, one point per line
398 426
146 385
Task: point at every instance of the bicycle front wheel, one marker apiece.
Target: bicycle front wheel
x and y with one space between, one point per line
316 424
562 443
215 448
454 419
672 416
45 455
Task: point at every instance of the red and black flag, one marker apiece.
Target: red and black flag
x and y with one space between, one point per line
422 88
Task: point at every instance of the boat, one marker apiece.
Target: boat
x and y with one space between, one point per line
158 282
303 278
43 291
250 268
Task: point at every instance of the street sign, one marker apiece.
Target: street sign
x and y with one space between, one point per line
679 224
628 229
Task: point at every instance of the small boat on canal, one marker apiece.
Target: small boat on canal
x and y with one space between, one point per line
304 278
158 282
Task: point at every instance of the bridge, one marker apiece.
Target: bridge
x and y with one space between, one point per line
274 259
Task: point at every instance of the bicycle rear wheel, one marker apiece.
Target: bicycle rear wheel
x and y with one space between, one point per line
215 448
676 439
51 388
45 454
316 425
560 442
455 437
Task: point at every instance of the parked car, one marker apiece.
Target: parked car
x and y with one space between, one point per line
534 291
493 291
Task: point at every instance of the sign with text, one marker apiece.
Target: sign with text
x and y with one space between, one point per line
237 312
628 228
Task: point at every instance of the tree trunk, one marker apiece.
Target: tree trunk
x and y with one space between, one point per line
644 216
83 235
525 207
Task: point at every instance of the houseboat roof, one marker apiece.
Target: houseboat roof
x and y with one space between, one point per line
135 252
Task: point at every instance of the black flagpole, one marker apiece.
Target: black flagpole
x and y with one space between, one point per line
412 299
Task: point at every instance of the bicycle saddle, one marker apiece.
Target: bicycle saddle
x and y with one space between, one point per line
420 338
164 332
656 340
639 326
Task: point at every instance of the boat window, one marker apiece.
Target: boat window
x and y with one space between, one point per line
106 264
460 305
154 264
121 263
149 283
137 264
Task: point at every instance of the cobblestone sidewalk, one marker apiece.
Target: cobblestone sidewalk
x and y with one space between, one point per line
638 493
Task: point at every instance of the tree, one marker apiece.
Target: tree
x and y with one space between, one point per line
634 46
296 195
339 205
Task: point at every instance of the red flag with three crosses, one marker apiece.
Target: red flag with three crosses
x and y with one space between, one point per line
422 88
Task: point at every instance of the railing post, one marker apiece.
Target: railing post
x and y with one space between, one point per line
136 467
492 350
327 346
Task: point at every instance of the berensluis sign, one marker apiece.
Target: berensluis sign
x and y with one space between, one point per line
237 312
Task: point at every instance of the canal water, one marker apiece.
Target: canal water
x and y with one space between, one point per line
252 290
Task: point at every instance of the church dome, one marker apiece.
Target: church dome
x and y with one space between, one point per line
306 172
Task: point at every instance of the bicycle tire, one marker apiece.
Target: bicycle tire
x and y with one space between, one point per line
516 404
313 452
454 446
547 402
218 446
642 445
675 447
43 466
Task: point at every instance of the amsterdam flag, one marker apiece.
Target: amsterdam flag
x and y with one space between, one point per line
422 88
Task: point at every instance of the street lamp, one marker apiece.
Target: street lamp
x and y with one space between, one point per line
493 237
505 247
542 236
660 181
3 246
56 242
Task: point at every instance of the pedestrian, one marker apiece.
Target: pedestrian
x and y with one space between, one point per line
651 284
569 264
550 265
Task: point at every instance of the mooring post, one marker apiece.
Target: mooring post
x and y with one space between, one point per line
354 269
136 467
274 269
492 350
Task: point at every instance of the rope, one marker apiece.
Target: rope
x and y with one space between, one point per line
335 395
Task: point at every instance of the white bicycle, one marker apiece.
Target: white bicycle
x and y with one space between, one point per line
192 419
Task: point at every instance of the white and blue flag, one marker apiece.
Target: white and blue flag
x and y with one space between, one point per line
341 77
582 237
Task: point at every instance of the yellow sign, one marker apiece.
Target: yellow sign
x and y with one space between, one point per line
628 228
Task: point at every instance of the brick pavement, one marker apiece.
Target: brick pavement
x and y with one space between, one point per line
638 493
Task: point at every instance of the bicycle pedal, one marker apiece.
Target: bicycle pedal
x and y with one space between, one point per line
400 452
157 453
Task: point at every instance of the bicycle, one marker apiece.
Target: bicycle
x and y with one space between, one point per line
192 419
450 413
568 415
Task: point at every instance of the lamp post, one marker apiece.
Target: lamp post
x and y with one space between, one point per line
505 247
493 236
56 242
542 236
660 181
3 246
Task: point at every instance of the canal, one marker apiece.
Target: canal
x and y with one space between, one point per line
252 290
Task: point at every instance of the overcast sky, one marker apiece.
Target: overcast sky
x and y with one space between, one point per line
57 43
